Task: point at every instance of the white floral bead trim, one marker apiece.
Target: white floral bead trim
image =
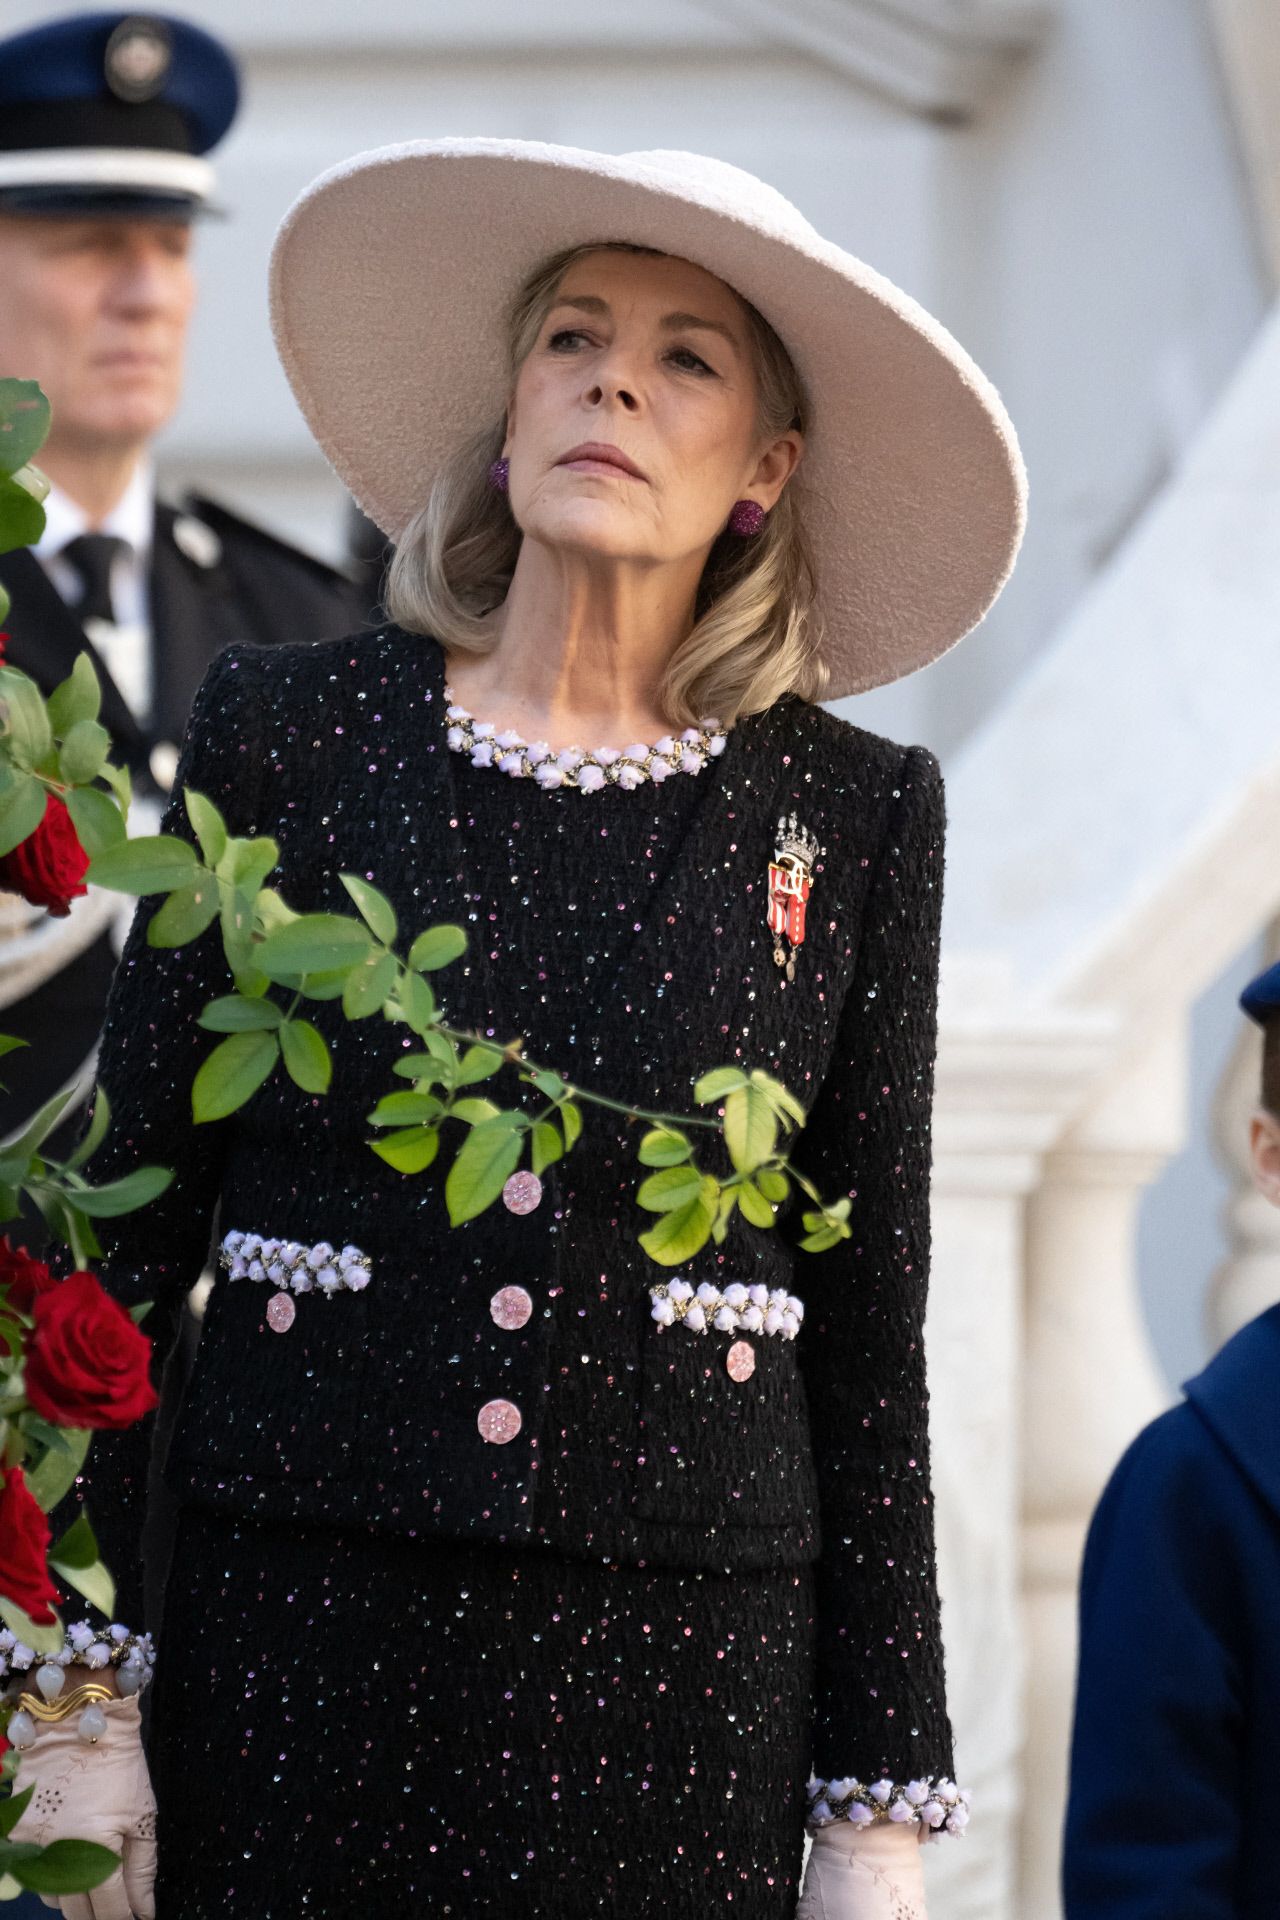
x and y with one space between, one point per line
937 1805
85 1646
287 1263
739 1309
687 752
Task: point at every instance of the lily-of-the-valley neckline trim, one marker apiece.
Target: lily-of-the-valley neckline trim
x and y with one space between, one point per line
589 770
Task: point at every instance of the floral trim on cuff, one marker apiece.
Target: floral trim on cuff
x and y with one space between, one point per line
739 1309
131 1654
287 1263
937 1805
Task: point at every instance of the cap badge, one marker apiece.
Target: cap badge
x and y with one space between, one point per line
138 58
796 851
199 543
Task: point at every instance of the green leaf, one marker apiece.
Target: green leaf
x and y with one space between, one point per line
232 1074
42 1433
750 1127
91 1141
5 604
437 947
724 1213
312 942
24 423
67 1866
185 914
405 1109
78 1547
571 1121
781 1099
237 943
273 911
78 697
17 1154
139 1311
713 1086
236 1014
97 820
12 1809
207 824
547 1145
153 863
120 783
678 1235
409 1151
477 1063
94 1582
755 1208
664 1147
83 752
476 1112
54 1476
673 1187
28 732
821 1238
482 1164
39 1639
366 988
417 1002
306 1057
249 861
773 1184
21 517
421 1066
134 1190
549 1083
376 910
22 808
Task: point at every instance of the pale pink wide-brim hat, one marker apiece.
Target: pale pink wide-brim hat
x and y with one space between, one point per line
391 279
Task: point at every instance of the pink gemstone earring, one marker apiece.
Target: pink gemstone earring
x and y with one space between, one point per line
500 475
747 518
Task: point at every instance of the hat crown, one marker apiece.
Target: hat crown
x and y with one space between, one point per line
728 189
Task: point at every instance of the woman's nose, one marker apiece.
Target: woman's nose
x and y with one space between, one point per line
613 390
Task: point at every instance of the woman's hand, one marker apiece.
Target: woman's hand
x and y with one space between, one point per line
100 1792
871 1873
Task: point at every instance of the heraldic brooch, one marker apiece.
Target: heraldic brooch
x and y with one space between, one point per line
790 883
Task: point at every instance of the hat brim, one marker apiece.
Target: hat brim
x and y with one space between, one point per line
391 277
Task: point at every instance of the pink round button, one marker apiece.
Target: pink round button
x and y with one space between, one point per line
281 1312
499 1421
522 1192
511 1307
741 1360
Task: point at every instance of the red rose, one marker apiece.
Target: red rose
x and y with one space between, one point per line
24 1543
49 866
22 1277
87 1363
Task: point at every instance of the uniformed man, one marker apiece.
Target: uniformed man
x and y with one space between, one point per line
105 121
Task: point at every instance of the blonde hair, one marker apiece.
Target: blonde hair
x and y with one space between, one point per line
756 631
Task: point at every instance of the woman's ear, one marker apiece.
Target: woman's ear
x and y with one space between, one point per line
775 467
1264 1153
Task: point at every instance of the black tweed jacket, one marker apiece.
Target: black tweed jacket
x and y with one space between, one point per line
636 1442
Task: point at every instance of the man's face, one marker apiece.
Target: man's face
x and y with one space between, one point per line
96 310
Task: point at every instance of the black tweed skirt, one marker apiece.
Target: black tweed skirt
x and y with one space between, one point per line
355 1724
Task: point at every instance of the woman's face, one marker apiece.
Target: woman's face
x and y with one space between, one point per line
633 426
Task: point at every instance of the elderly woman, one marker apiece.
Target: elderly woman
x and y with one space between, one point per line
525 1579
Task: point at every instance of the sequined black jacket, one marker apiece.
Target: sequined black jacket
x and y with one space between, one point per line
636 1442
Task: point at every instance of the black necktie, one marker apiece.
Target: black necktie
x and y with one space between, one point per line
92 556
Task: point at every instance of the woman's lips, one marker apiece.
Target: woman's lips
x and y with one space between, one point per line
595 457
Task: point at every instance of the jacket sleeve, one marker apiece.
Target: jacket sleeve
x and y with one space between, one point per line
1158 1796
880 1702
151 1050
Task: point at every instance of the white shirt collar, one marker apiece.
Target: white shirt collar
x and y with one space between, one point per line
131 519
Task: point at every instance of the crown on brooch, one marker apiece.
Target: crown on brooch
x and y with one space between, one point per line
796 841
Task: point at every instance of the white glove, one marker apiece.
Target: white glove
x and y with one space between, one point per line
864 1873
100 1792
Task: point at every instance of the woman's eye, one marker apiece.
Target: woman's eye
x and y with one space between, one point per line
565 339
689 362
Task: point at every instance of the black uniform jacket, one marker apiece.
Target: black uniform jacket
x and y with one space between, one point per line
636 1442
245 586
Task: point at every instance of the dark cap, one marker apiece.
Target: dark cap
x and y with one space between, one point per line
112 113
1261 998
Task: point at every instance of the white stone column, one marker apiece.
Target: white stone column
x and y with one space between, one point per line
1003 1095
1090 1383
